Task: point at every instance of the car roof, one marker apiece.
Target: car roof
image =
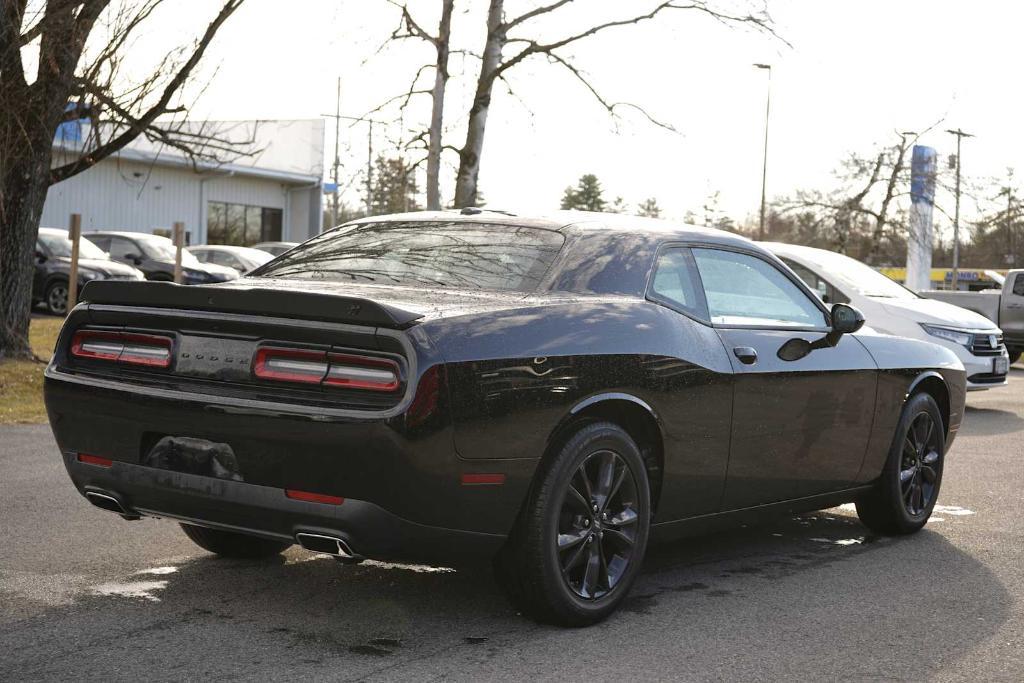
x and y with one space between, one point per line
125 233
571 222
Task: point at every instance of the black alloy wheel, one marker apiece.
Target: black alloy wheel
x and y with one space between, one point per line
904 495
919 464
597 525
580 538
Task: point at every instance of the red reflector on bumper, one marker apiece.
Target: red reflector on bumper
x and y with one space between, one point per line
477 479
94 460
313 497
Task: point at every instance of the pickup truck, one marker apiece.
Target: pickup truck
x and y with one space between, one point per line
1003 307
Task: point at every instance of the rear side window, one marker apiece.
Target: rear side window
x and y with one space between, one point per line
744 290
676 283
420 254
1018 284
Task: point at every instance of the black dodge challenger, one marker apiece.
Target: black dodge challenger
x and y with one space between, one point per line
549 392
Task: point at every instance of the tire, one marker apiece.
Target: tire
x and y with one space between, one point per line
559 513
1014 355
56 297
230 544
905 494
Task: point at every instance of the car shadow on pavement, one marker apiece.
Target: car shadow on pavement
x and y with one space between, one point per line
990 421
801 586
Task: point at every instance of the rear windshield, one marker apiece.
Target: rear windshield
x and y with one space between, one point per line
446 255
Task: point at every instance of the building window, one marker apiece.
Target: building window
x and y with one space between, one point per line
242 225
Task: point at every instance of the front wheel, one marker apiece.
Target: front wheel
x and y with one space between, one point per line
1014 355
581 537
230 544
905 494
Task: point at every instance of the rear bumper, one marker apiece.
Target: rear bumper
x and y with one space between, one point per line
368 529
406 495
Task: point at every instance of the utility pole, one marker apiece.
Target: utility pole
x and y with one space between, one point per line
337 162
369 171
1011 253
764 167
960 135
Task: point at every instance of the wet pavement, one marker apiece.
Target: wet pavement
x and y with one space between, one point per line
85 595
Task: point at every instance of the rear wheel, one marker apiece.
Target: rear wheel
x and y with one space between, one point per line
230 544
580 540
57 297
905 494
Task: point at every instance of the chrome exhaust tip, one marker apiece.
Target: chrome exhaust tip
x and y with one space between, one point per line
329 545
105 501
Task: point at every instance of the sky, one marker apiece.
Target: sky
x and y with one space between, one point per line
846 76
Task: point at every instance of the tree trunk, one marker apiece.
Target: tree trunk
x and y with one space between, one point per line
882 218
22 193
434 143
469 155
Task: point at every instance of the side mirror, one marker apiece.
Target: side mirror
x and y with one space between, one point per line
134 258
40 256
845 320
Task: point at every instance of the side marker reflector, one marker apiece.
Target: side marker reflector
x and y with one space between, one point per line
94 460
483 479
309 497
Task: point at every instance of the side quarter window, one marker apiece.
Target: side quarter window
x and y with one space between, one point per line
676 284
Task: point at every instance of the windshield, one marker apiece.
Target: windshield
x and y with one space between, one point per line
446 255
162 249
58 244
852 274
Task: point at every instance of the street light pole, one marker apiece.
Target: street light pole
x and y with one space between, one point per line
764 166
960 135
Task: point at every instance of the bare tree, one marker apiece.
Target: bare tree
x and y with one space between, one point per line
82 46
496 60
409 28
864 205
494 65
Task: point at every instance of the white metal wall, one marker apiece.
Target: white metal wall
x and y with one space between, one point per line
117 194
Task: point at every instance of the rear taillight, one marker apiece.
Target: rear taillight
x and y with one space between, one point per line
338 370
361 372
290 365
132 348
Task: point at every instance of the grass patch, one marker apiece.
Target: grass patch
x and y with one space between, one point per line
21 381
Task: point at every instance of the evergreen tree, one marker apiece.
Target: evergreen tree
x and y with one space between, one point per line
394 187
649 208
586 196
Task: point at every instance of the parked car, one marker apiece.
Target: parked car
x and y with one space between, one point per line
275 248
1003 307
550 392
53 268
242 259
894 309
154 256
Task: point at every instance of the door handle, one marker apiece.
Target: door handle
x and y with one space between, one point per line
747 355
1015 305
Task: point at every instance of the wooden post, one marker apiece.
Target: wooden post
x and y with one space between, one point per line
75 235
179 242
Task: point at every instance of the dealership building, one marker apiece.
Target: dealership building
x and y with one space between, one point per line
272 193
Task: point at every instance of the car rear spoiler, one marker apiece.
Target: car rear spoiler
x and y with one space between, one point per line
252 300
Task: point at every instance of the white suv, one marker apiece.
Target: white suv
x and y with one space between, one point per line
890 308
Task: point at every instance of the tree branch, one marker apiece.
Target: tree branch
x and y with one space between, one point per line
140 123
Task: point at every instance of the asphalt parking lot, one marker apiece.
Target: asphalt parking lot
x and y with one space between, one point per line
85 595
